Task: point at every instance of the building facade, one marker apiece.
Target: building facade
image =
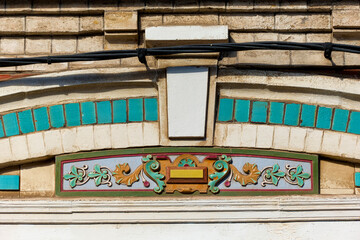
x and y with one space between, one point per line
262 143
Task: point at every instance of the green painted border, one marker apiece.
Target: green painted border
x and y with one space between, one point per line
59 159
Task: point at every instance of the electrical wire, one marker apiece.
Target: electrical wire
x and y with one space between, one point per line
141 53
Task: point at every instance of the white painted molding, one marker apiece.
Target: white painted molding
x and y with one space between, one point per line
240 210
187 91
198 34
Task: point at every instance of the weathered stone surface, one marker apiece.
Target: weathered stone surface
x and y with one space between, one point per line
85 138
239 5
346 18
313 140
330 143
212 5
347 145
336 175
19 147
297 139
103 5
293 5
12 45
53 142
241 37
121 21
281 137
318 37
12 25
248 21
258 57
264 138
266 5
5 149
90 44
36 144
150 21
312 58
91 24
159 5
52 24
186 5
301 22
15 6
345 4
37 45
44 67
38 179
319 5
95 64
74 6
102 136
190 19
64 45
45 6
292 37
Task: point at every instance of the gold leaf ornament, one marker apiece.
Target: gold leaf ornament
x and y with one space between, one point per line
122 176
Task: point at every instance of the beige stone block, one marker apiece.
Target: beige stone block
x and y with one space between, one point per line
12 25
220 134
131 5
151 133
68 139
292 37
54 67
190 19
347 145
336 175
95 64
121 21
119 45
265 135
53 142
233 135
266 5
293 5
12 45
212 5
301 22
330 143
90 44
297 139
346 18
337 191
265 37
52 24
134 62
313 140
91 24
152 20
281 137
241 37
319 6
36 144
85 138
259 57
119 136
316 58
239 5
164 63
248 135
352 59
135 134
19 147
186 5
248 21
37 179
101 5
37 45
5 149
63 45
18 6
39 6
318 37
347 39
102 136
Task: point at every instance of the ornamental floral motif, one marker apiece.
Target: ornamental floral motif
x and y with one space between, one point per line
186 174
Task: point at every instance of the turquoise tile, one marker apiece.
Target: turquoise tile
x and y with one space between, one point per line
292 114
276 112
151 109
104 112
41 119
308 115
357 179
242 110
354 123
119 111
9 182
324 118
136 109
340 120
26 121
72 113
2 134
226 108
88 113
11 124
259 112
57 119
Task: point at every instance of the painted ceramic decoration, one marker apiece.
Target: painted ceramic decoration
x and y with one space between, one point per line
206 173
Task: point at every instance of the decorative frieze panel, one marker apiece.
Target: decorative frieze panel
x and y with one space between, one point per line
165 171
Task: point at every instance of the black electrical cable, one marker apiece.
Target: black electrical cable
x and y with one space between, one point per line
141 53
